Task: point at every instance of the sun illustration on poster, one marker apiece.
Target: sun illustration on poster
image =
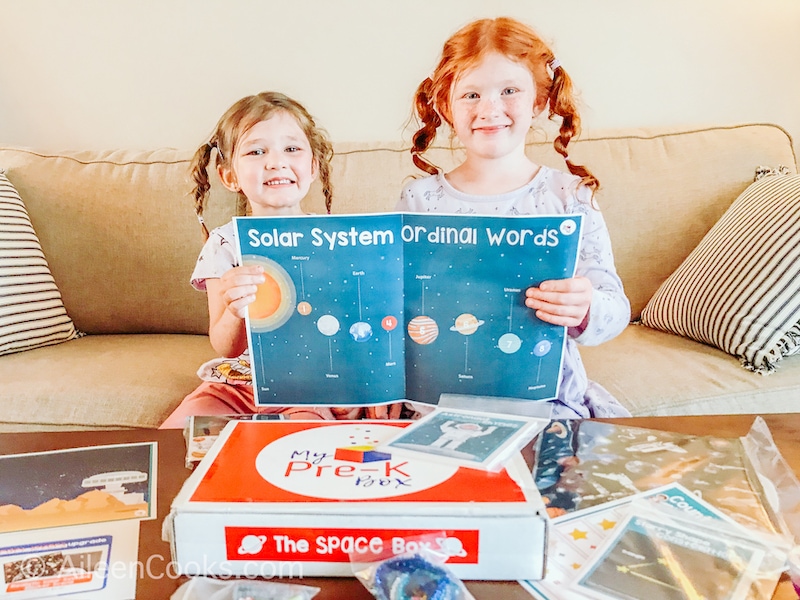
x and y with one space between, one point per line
275 298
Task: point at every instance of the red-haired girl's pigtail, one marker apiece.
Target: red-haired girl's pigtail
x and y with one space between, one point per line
430 119
562 104
327 186
199 170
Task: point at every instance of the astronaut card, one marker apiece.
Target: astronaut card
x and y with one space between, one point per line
477 440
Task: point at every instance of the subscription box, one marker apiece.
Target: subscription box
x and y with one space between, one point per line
292 498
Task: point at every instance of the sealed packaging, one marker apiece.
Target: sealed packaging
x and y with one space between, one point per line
292 498
661 553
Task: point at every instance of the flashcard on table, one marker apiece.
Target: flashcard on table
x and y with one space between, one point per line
575 537
77 486
664 559
465 438
93 561
203 430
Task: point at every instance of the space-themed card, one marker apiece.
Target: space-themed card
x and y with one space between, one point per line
663 554
471 439
575 537
77 486
374 308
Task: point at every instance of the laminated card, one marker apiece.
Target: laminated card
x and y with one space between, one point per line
292 498
369 309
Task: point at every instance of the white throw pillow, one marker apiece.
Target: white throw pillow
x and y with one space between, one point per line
739 290
31 311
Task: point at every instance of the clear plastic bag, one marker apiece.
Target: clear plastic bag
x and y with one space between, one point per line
418 574
661 552
207 588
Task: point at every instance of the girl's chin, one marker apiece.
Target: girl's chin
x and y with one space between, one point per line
289 208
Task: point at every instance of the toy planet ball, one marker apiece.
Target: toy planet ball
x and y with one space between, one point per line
304 308
414 578
389 322
423 330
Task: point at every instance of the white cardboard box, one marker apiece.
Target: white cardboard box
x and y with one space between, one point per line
291 498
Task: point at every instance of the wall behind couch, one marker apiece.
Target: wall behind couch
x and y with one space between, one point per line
99 74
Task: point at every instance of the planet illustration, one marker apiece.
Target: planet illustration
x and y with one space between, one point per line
466 324
542 348
275 298
304 308
423 330
328 325
252 544
509 343
389 322
361 331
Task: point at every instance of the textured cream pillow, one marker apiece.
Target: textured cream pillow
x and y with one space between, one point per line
31 311
739 290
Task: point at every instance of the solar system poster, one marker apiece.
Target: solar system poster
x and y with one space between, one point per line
374 308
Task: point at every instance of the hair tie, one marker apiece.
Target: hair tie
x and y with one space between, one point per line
213 145
200 219
554 64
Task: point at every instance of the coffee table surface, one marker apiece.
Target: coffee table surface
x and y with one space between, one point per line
161 581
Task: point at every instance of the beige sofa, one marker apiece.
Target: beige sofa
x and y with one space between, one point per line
119 232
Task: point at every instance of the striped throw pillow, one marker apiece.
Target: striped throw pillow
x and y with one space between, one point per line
739 290
31 311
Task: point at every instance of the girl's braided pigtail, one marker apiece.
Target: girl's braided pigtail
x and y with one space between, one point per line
430 119
199 170
324 152
562 104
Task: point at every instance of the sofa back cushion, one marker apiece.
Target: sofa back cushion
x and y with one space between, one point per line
121 237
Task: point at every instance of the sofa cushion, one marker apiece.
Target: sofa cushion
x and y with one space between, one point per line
31 311
654 373
100 381
738 290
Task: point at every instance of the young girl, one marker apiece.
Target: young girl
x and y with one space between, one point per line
268 150
495 76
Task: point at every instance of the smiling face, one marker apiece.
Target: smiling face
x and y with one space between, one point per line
492 107
273 166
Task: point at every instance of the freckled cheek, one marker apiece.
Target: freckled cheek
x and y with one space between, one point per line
464 117
519 106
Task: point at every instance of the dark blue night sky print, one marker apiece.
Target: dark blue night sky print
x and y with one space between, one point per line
365 283
30 480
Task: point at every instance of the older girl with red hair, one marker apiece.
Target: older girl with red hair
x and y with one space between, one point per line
495 77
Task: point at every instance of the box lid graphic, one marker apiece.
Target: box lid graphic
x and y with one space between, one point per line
335 462
278 494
